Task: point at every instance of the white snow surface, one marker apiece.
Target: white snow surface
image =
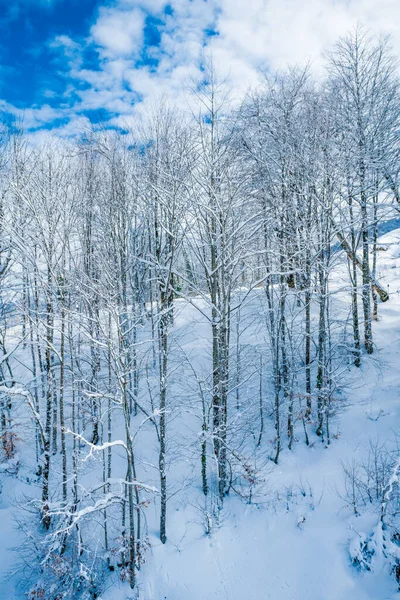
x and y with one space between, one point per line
262 550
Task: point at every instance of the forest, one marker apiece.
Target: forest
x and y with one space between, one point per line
188 306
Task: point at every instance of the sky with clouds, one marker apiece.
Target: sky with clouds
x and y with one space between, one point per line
65 63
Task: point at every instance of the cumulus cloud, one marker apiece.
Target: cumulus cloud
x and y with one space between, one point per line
118 32
246 36
279 32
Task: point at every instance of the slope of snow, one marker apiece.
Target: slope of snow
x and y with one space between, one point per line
292 542
263 552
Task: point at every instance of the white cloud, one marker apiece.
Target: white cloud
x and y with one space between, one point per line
259 33
35 117
250 35
118 32
64 41
281 32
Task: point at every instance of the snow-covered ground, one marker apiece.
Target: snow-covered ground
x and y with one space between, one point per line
268 552
292 542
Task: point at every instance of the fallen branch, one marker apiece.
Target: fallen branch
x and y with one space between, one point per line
382 293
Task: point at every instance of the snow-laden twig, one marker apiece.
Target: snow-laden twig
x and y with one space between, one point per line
93 447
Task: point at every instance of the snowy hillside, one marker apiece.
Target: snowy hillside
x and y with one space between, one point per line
295 542
293 539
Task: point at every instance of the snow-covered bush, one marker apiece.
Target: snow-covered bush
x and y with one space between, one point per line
374 484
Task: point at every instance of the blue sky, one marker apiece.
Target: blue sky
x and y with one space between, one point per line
30 66
47 47
66 63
